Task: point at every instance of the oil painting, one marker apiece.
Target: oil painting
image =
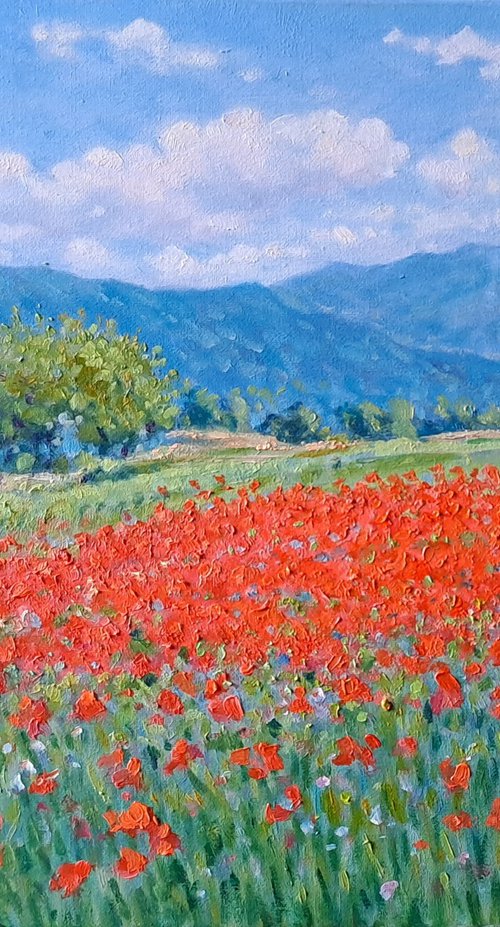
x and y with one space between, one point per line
249 463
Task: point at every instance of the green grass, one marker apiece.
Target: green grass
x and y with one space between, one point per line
132 487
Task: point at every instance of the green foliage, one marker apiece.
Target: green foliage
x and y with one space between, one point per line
295 425
402 414
202 409
108 385
365 420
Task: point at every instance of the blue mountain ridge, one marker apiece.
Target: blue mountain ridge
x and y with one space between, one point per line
419 327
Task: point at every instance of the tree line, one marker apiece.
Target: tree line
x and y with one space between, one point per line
68 388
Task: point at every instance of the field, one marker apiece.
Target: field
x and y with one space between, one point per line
254 691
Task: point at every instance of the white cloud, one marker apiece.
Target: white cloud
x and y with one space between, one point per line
149 44
141 43
465 45
175 267
58 39
88 257
252 75
468 165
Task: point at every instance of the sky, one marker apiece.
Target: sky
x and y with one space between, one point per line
202 143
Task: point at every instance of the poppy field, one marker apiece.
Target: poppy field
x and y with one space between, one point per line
260 710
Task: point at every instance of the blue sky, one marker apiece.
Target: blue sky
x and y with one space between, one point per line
201 143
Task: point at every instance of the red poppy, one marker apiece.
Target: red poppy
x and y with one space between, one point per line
130 864
240 757
269 755
349 751
182 755
134 820
226 708
170 703
421 845
458 821
294 796
352 689
45 783
406 746
493 819
276 813
111 760
69 877
163 841
88 707
456 778
130 776
372 741
300 705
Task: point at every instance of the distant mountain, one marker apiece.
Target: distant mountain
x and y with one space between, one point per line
419 327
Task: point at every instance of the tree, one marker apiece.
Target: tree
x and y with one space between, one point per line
404 423
365 420
203 410
295 425
108 384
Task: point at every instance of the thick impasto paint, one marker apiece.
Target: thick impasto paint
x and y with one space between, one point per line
249 463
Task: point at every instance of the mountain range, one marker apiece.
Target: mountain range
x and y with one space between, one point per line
419 327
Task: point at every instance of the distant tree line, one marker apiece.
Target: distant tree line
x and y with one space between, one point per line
68 389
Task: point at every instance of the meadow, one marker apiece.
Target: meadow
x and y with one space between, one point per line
254 692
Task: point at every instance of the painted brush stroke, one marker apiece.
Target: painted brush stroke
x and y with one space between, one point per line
249 464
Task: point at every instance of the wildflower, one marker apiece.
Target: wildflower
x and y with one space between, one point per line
493 819
456 778
130 864
387 889
170 703
406 746
457 821
134 820
276 813
69 877
45 783
182 755
88 707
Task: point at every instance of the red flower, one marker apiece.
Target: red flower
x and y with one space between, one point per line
300 705
130 864
269 755
45 783
240 757
456 778
31 716
493 819
352 689
182 755
349 751
111 760
372 741
130 776
458 821
170 703
163 841
88 707
226 708
134 820
276 813
406 746
294 796
421 845
69 877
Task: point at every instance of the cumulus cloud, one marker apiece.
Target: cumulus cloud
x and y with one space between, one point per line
469 164
58 39
272 262
466 45
252 75
88 257
141 43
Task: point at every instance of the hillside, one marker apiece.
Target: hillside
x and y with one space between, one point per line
419 327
